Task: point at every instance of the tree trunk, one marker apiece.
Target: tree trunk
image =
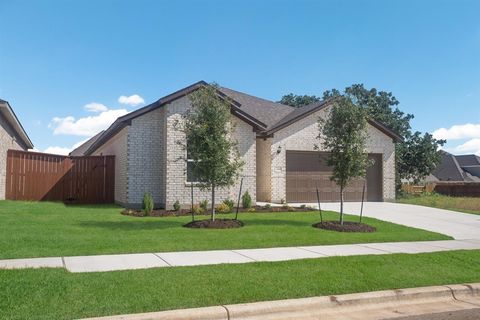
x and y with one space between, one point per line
341 206
213 202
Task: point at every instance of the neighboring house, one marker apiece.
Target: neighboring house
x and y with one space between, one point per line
464 168
275 141
12 136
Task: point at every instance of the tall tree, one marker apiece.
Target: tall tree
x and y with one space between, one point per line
419 154
210 142
298 101
344 135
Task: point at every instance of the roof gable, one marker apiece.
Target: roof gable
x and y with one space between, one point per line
7 112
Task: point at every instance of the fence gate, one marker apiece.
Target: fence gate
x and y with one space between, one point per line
47 177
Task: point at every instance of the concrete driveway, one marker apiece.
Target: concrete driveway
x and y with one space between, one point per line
455 224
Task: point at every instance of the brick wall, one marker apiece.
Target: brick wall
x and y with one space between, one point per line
146 158
302 136
117 146
8 140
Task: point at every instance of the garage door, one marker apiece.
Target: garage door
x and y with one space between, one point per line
307 170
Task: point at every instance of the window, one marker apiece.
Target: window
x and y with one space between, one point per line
190 165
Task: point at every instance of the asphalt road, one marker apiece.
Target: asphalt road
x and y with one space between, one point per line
471 314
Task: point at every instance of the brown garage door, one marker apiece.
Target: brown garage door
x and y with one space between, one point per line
307 170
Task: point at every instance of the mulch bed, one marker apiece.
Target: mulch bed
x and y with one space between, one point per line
346 227
217 224
188 212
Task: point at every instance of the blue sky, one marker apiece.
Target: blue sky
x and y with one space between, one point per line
56 57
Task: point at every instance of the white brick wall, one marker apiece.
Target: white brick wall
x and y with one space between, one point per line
302 136
7 141
117 146
177 186
146 158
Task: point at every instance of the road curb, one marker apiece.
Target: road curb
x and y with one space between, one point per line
326 307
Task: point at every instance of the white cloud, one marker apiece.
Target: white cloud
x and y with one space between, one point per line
95 107
133 100
58 150
87 126
463 131
471 146
64 150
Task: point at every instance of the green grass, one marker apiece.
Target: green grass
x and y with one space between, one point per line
32 229
57 294
461 204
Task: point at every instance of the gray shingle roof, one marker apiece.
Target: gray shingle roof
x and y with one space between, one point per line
266 111
80 151
458 168
468 160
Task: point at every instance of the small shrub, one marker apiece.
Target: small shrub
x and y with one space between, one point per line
303 206
148 204
268 206
282 201
223 208
229 203
198 210
176 206
251 210
246 200
290 209
204 204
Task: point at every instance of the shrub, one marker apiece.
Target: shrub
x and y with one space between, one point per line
204 204
198 210
251 210
176 206
223 208
282 201
148 203
246 200
268 206
229 203
303 206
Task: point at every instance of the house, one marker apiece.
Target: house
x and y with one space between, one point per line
12 136
275 141
464 168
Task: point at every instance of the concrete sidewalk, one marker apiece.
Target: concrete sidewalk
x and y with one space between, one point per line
102 263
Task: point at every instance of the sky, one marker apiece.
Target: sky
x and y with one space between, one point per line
70 68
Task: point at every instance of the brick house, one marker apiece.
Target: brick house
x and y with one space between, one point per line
12 136
275 141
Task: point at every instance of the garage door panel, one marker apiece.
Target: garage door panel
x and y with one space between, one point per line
308 170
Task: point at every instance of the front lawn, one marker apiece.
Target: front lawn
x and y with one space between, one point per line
57 294
461 204
36 229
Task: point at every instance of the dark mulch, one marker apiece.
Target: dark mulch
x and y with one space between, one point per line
346 227
188 212
217 224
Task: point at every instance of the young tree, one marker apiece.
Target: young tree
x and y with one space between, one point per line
344 135
210 142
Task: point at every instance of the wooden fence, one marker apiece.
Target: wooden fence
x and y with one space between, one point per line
449 188
47 177
458 189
